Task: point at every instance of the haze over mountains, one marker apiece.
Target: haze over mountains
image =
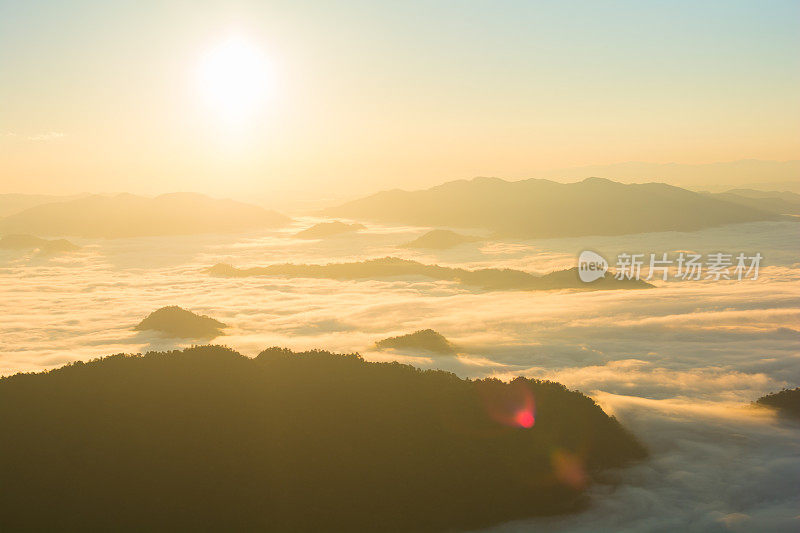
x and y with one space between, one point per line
651 345
720 176
533 208
241 293
30 242
128 215
782 203
543 209
11 203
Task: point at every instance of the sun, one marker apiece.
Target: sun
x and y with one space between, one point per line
235 79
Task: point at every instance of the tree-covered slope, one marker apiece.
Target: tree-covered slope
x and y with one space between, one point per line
490 279
207 439
177 322
786 402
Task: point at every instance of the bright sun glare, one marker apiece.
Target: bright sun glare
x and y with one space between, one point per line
234 79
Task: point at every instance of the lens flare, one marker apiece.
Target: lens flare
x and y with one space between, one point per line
511 404
525 418
568 469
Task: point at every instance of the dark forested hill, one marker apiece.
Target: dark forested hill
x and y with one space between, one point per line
177 322
495 279
206 439
541 208
787 402
426 340
128 215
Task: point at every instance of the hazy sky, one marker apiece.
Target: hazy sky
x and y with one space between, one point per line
105 96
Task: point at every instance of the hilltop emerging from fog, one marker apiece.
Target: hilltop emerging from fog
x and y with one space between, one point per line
786 402
538 208
30 242
175 321
206 439
392 267
439 239
328 229
128 215
425 339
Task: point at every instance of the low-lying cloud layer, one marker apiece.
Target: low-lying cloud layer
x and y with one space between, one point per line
714 468
676 363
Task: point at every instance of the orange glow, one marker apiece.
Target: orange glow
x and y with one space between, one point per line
568 469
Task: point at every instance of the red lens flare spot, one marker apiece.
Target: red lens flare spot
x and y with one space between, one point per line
511 404
525 419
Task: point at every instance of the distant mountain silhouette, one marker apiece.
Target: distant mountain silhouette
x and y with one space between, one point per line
781 203
175 321
389 267
328 229
424 339
440 239
206 439
719 176
127 215
541 208
14 203
787 402
29 242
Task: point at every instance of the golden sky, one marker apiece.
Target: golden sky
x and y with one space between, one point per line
344 98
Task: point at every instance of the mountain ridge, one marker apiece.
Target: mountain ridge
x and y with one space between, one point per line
490 279
719 175
541 208
130 215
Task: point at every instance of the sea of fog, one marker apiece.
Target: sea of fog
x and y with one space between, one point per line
678 364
